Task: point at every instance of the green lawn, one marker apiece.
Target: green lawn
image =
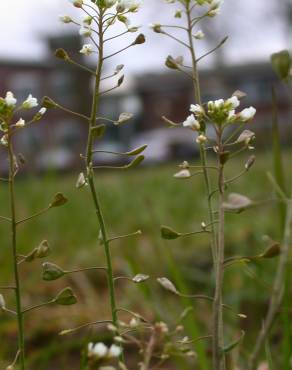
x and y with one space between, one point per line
141 199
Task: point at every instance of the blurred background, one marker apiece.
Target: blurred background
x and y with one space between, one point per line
147 197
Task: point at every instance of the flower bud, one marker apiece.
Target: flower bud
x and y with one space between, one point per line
156 27
65 19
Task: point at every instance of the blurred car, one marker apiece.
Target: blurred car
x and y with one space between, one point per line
167 144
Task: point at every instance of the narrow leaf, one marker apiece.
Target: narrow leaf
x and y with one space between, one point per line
136 151
136 162
234 344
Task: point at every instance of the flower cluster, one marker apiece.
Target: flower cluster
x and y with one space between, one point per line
219 112
100 351
223 111
7 108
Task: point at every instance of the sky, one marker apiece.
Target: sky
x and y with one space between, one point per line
253 28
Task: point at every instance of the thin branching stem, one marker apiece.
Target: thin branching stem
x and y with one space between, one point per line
17 290
218 339
198 99
91 182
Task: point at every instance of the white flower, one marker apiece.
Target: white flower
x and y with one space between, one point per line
218 103
85 31
197 109
10 100
65 19
87 49
42 111
30 102
214 12
20 123
87 20
233 102
4 140
201 139
192 123
231 116
77 3
247 114
114 351
99 350
199 35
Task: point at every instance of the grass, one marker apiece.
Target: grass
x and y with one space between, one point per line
141 199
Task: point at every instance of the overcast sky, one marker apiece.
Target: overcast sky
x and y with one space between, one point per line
254 29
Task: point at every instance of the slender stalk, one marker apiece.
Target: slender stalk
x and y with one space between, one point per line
14 252
278 291
218 339
198 99
149 352
91 182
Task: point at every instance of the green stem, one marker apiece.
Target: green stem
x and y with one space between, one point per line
98 210
218 338
14 251
277 294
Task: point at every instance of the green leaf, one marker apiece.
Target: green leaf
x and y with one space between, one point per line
281 63
52 271
234 344
168 233
66 297
58 201
272 251
136 162
136 151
